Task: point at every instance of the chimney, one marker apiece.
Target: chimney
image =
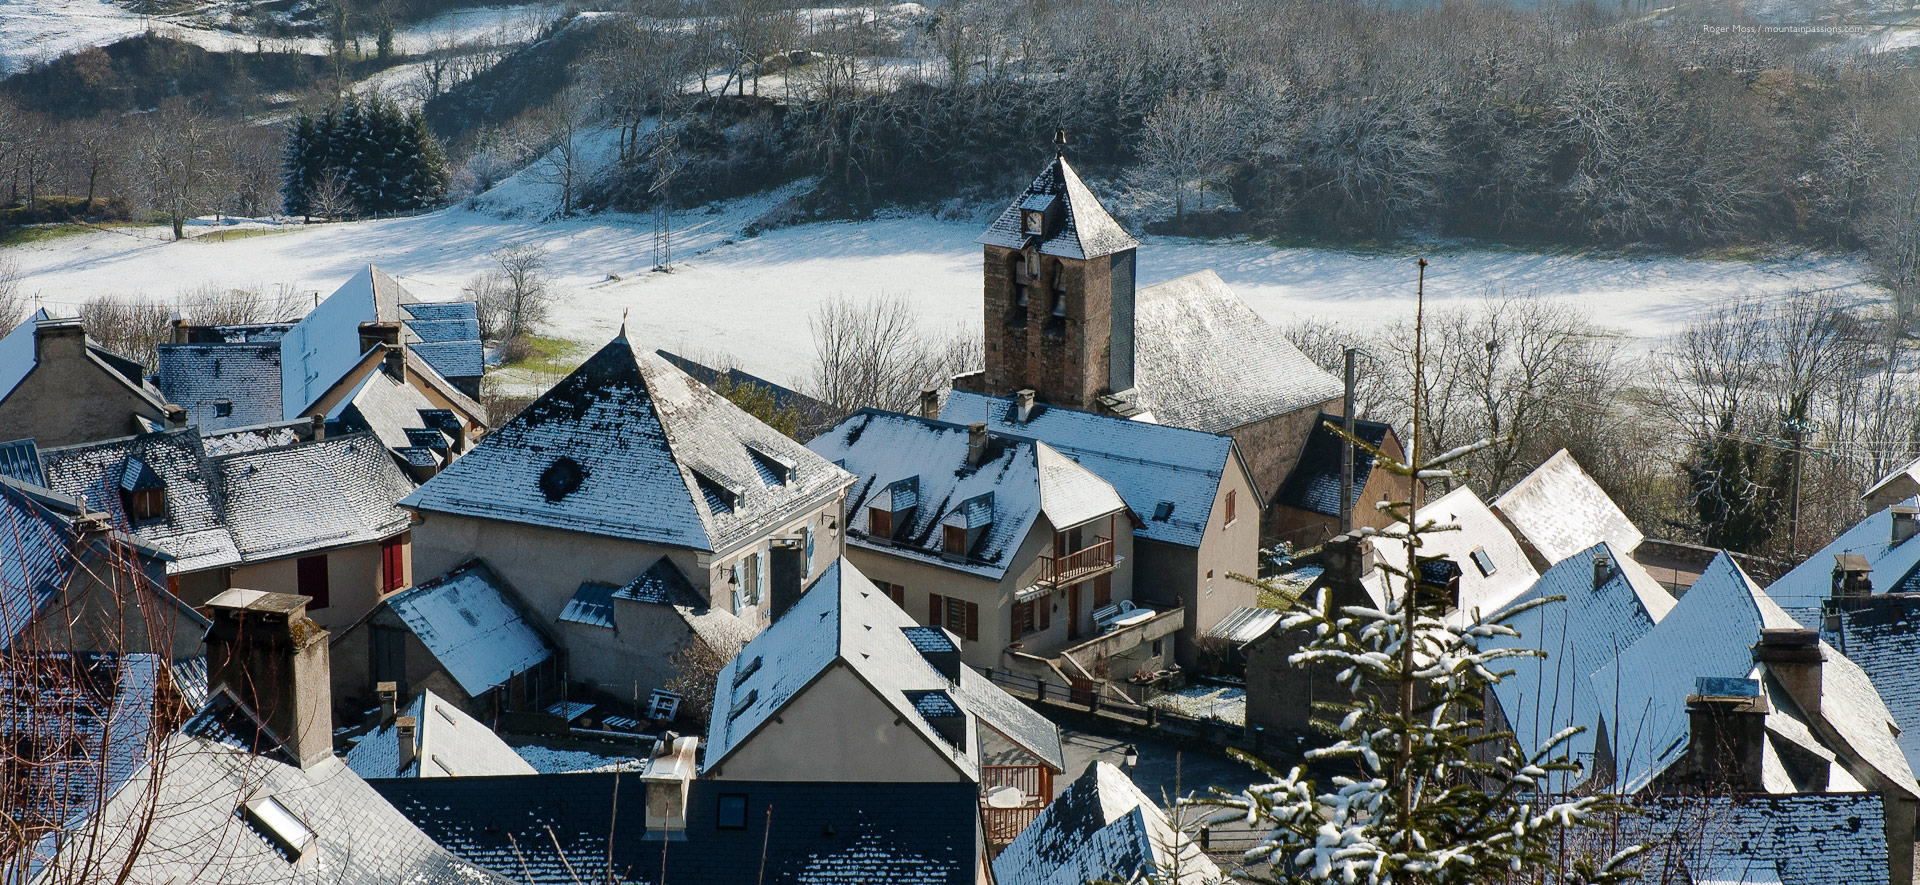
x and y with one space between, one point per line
1023 405
1726 720
1602 570
1906 522
59 339
406 730
667 777
389 694
176 416
396 362
1794 657
319 427
930 402
976 443
264 649
177 325
1852 576
1346 559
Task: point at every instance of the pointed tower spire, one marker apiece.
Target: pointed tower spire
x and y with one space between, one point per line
623 325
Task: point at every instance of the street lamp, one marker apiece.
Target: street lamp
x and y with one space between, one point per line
1132 759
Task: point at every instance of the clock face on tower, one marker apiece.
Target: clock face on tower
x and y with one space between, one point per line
1034 222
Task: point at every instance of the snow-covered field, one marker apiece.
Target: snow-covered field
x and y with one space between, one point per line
749 298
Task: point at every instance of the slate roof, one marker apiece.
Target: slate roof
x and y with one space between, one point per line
1710 632
470 622
1893 488
622 448
20 460
254 438
1579 636
1314 484
843 619
1085 229
194 528
200 378
1148 464
1561 511
384 406
89 718
1204 360
447 743
36 557
321 348
447 335
310 496
19 355
661 584
1804 839
783 397
203 835
1481 532
820 833
1102 829
1025 479
1880 634
1894 565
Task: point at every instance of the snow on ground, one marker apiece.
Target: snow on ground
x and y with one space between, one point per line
749 298
1217 702
553 760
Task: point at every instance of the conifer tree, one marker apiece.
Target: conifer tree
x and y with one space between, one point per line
385 159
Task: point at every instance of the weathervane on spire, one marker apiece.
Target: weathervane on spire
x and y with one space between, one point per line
1059 143
623 322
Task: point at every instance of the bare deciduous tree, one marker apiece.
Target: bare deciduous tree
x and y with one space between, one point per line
512 299
873 353
1184 148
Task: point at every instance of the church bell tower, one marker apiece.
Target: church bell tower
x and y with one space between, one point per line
1059 275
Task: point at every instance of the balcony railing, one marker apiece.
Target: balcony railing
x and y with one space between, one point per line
1059 571
1011 796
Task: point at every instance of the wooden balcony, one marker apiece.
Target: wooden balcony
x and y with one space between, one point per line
1011 796
1087 562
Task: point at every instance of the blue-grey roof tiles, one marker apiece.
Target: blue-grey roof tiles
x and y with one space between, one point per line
1084 229
1314 485
222 385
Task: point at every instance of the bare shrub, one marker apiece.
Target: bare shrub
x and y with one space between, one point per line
132 326
513 298
873 353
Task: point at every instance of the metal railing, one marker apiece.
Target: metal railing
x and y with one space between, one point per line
1059 571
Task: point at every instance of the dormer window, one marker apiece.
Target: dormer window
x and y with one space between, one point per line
142 492
956 539
965 524
879 522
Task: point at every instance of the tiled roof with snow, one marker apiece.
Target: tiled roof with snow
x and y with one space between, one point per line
1009 717
325 344
1561 511
554 830
1893 488
664 584
204 836
1880 634
629 447
384 406
36 556
18 355
447 743
1863 725
843 618
235 440
447 335
1805 839
469 621
1894 565
241 380
1085 229
1025 479
334 492
193 529
20 460
1493 568
1203 359
1710 632
1314 484
1150 465
1597 620
1102 829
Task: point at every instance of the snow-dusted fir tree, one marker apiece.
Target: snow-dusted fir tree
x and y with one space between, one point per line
1434 796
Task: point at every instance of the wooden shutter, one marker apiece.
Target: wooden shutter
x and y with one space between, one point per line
1045 606
393 563
898 592
933 609
310 575
973 622
759 577
956 538
1229 508
1103 590
1022 619
879 523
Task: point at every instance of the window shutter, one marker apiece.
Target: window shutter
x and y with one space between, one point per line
933 609
973 622
806 561
759 577
738 580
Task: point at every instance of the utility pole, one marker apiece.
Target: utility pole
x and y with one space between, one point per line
1346 451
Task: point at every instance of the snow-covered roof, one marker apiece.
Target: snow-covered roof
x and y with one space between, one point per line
1103 828
469 621
1245 624
1493 568
1880 634
321 348
1561 511
193 529
844 620
1710 632
1597 620
209 784
1805 839
1150 465
17 353
1204 360
36 556
1085 229
1893 565
1893 488
1025 479
1859 719
222 385
326 493
630 447
20 460
385 406
1314 484
446 741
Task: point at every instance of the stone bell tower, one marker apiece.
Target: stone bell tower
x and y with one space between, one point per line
1059 275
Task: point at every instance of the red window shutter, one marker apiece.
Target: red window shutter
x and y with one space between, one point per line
1229 508
393 564
933 609
879 523
899 592
310 576
973 622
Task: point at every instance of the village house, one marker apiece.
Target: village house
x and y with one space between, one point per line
1065 318
847 688
1025 555
370 357
635 512
430 737
265 510
1307 509
1196 535
58 388
1103 829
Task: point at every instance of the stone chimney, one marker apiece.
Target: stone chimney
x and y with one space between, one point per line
668 776
1852 576
264 649
976 443
176 416
406 731
1602 570
177 326
930 402
1906 522
1346 559
1794 657
396 362
389 694
319 427
1023 405
59 340
1727 727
